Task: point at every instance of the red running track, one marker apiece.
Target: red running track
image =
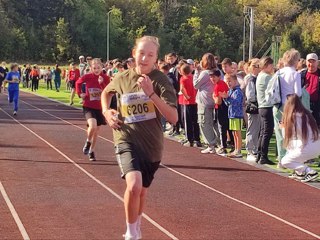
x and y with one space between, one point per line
56 193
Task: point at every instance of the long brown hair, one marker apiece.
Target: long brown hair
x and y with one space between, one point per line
208 61
292 107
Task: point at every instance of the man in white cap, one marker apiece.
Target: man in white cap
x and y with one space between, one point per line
310 79
82 65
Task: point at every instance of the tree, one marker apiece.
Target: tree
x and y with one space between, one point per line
62 40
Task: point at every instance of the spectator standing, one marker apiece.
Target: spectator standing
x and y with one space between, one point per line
301 139
34 76
49 78
82 66
221 110
265 112
253 127
202 82
310 79
234 99
57 77
172 60
189 101
290 83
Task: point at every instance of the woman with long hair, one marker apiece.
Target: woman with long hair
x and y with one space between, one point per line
201 81
301 139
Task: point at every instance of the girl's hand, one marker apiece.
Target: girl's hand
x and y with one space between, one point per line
100 79
145 83
112 119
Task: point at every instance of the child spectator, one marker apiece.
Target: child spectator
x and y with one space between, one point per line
57 77
220 110
234 100
49 78
34 75
189 101
301 139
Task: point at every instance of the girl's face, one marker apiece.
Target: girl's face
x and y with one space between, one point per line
146 54
15 69
96 68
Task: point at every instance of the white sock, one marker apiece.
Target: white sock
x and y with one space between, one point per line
131 229
88 140
139 221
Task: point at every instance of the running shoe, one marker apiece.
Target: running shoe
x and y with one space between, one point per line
297 176
198 143
235 154
71 103
222 152
266 161
15 113
310 176
126 237
92 156
208 150
188 144
183 141
86 148
251 158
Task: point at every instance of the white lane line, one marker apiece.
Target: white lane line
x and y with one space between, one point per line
154 223
206 186
14 213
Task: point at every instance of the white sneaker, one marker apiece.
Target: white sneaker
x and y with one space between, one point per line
208 150
126 237
251 158
15 113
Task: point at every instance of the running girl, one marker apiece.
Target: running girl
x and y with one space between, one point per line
143 95
73 76
95 81
13 78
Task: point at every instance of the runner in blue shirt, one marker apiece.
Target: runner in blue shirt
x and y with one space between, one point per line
13 78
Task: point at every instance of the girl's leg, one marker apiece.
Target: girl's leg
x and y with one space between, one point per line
132 201
16 100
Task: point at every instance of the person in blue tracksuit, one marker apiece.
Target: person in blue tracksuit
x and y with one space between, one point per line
13 78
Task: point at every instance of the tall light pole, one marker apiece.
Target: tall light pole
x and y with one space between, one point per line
108 34
248 19
251 32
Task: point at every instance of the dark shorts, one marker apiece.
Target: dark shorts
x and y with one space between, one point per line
96 114
72 84
130 159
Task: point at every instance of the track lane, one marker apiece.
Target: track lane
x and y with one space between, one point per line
54 199
269 192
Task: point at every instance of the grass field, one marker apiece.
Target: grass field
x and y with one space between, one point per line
64 96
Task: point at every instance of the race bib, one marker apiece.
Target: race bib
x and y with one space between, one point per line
94 94
137 107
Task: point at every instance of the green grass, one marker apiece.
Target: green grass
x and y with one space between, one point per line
64 96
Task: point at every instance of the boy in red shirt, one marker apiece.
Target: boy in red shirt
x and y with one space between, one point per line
95 81
73 76
221 109
189 101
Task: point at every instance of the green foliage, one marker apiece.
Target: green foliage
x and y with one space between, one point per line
61 30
